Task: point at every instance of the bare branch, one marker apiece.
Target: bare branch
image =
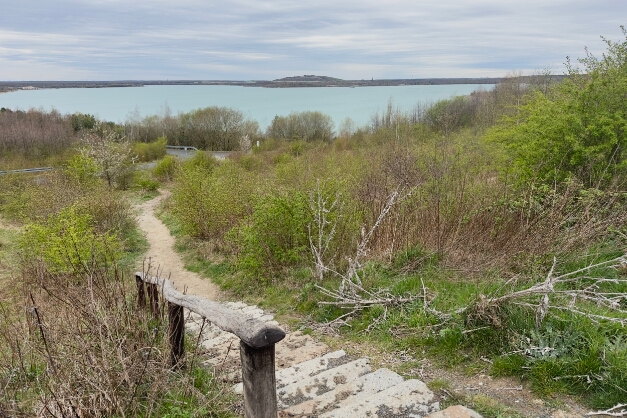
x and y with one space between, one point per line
612 412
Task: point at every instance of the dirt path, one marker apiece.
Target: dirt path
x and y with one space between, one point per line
162 255
509 392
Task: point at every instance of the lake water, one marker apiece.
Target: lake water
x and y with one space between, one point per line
261 104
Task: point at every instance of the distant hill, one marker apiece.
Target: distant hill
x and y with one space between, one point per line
286 82
309 78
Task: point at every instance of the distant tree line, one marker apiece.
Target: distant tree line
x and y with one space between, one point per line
34 133
212 128
306 126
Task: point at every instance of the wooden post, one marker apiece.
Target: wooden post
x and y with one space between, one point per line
176 333
141 294
153 292
259 381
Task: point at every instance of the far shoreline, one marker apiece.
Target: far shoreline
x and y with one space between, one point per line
290 82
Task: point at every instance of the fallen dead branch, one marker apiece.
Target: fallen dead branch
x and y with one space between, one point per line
615 411
563 292
350 294
351 279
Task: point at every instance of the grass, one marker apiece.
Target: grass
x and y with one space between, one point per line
578 347
124 371
8 255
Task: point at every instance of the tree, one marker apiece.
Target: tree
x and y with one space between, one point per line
82 121
216 128
307 126
111 153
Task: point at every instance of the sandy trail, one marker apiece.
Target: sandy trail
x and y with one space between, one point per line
161 253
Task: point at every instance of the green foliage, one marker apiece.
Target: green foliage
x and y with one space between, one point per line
578 129
82 169
67 242
150 151
209 203
202 160
166 168
144 182
307 126
452 114
82 121
274 236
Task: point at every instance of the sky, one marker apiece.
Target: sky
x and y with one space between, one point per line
270 39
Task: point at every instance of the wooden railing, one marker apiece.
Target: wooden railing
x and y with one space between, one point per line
257 339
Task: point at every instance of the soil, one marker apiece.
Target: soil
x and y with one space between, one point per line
460 387
471 389
164 260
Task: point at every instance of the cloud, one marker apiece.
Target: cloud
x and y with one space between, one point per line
252 39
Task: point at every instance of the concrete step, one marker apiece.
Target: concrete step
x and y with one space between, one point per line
310 387
311 383
456 411
364 386
297 372
408 399
310 368
224 339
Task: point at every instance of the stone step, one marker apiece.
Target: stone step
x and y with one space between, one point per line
365 386
224 339
408 399
313 384
310 368
310 387
456 411
236 305
304 369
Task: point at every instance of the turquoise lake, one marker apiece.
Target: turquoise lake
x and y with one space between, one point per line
261 104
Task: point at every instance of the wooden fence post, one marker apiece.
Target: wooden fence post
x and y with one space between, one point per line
141 294
259 381
176 333
153 292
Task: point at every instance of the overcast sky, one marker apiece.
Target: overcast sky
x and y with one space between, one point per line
269 39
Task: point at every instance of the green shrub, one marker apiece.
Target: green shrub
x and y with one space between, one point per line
150 151
67 242
209 203
202 159
83 169
166 168
275 235
144 182
576 129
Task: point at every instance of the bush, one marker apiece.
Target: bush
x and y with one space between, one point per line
577 129
275 235
306 126
144 182
68 242
210 203
85 350
83 169
166 168
150 151
203 160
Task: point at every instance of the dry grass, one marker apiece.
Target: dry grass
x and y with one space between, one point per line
78 347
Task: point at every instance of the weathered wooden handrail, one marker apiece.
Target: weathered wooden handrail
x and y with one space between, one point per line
257 350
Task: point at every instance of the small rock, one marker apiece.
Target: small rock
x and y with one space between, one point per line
564 414
456 411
